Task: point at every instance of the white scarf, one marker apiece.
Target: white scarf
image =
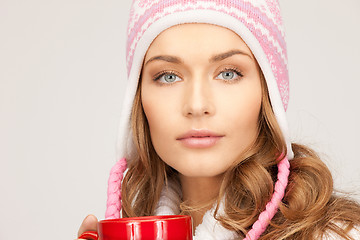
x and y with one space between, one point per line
209 229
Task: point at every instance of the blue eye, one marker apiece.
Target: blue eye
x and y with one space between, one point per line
229 75
170 77
167 78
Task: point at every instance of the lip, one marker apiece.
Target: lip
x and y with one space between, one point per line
199 138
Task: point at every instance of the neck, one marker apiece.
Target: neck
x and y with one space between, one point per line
199 191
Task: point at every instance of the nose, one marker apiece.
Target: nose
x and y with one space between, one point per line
198 99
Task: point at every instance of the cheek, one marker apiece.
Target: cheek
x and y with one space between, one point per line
247 115
161 116
242 116
162 123
155 114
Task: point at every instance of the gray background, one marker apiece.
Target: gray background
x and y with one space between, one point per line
62 69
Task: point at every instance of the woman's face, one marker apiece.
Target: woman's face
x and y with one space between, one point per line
201 94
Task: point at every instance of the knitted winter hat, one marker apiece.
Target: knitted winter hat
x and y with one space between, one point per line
257 22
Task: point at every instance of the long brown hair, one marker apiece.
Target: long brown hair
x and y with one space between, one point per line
309 209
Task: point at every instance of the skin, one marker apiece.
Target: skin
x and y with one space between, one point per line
199 91
199 76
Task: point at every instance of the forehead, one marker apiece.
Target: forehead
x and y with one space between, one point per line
194 39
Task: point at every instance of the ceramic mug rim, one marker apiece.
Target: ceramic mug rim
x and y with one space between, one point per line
145 219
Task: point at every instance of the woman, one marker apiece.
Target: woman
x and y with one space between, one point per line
204 130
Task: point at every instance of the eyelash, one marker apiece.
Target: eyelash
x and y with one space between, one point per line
166 72
235 70
163 73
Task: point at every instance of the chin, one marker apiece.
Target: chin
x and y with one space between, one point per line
205 164
201 171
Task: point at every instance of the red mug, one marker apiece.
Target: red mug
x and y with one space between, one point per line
170 227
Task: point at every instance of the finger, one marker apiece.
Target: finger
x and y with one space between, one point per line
89 224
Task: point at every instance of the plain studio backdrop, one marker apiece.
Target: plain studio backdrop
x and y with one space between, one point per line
62 74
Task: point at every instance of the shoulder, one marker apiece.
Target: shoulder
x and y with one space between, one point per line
354 233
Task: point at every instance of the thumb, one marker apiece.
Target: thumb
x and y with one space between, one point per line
89 224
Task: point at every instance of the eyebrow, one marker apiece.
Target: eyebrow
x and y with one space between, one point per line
228 54
166 58
215 58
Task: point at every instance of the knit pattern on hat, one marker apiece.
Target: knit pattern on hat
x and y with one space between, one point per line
261 17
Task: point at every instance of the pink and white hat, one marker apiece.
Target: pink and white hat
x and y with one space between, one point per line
257 22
